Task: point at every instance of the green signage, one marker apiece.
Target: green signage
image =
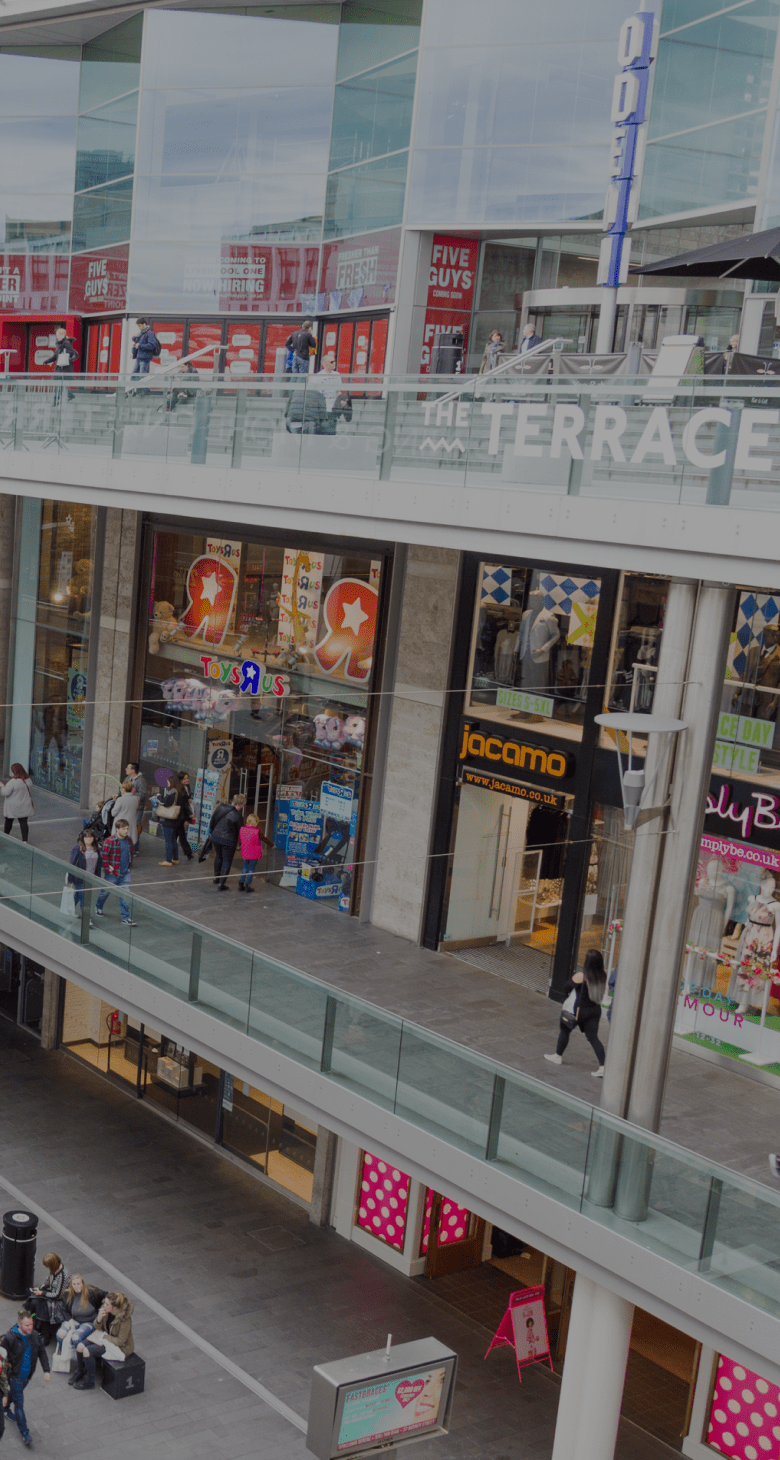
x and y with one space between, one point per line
519 699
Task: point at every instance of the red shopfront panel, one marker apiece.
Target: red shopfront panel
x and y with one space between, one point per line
13 336
41 340
115 347
92 348
345 346
328 334
362 337
170 333
103 347
205 332
243 350
378 351
276 336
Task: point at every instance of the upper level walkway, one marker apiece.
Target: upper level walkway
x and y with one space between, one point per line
690 471
705 1246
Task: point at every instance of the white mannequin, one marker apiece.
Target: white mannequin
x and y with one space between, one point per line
711 914
539 630
760 939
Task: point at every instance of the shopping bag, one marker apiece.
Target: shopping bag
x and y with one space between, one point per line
68 901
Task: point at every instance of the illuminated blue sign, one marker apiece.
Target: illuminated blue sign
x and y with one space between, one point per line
636 49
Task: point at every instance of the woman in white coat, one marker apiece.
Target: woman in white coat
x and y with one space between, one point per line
18 804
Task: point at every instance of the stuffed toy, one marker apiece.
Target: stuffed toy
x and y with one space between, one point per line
164 626
330 731
355 731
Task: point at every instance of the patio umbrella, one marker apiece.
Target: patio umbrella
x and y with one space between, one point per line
753 256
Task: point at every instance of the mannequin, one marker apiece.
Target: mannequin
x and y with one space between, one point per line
506 653
759 942
712 912
539 630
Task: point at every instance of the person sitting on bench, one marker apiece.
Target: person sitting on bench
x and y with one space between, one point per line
81 1304
112 1339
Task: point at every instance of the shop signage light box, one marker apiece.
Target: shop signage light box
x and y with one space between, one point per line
383 1399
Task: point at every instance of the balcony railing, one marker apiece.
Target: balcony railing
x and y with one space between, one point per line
702 440
697 1215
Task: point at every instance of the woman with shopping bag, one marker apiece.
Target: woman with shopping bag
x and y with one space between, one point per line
171 808
86 856
18 801
581 1009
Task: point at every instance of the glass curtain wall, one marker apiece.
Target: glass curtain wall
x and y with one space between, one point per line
105 159
372 116
709 106
233 158
39 87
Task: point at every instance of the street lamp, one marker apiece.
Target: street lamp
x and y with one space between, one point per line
635 791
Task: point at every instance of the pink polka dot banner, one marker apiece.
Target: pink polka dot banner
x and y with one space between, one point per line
453 1223
745 1415
383 1201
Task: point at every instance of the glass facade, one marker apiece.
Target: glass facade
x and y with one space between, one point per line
264 691
709 105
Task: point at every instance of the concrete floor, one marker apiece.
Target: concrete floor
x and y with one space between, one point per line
722 1115
227 1260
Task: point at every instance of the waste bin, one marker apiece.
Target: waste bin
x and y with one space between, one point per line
447 353
17 1265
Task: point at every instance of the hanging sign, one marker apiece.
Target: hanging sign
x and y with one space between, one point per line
211 594
524 1328
349 614
299 600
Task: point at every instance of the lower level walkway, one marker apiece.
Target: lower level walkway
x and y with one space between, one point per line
228 1260
726 1117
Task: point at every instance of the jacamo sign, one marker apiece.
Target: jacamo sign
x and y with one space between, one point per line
498 753
550 432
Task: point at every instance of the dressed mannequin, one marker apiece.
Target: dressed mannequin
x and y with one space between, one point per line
759 942
715 900
506 654
539 630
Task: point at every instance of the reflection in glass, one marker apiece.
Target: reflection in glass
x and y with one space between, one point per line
39 80
366 197
500 184
372 114
33 221
369 36
224 207
111 64
106 150
102 216
718 163
61 646
233 130
38 154
465 24
533 641
714 69
188 48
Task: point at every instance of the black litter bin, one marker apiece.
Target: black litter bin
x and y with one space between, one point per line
17 1265
447 353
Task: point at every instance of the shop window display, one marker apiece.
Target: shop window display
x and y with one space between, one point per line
744 1413
63 615
383 1201
258 675
532 647
748 744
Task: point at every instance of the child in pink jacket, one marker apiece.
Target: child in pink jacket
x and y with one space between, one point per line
251 841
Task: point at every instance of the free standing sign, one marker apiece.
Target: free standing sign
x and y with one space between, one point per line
382 1399
524 1328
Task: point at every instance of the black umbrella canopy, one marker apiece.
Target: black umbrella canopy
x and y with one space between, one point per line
753 256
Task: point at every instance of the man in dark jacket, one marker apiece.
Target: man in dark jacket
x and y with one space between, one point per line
306 411
301 342
146 347
65 355
226 823
24 1347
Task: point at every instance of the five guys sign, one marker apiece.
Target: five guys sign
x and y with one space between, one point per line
450 296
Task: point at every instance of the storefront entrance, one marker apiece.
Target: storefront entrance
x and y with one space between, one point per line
506 882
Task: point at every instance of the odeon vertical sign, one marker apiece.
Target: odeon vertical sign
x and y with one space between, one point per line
636 49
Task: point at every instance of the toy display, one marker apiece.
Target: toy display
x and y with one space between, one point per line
164 626
330 731
355 731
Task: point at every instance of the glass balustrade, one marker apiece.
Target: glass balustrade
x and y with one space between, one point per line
697 1215
700 440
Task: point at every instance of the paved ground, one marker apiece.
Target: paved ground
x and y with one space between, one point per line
724 1116
240 1266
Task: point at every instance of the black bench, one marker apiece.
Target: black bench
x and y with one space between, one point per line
123 1377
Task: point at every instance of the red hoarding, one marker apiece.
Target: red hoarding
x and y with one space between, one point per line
254 277
33 282
453 272
360 273
98 281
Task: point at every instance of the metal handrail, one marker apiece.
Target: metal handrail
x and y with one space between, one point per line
169 369
504 367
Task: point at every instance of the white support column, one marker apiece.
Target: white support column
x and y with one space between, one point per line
593 1373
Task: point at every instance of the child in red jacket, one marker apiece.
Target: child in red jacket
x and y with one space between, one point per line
251 841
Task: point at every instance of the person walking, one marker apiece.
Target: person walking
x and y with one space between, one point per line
25 1348
146 347
112 1338
86 856
64 357
133 770
251 842
530 339
5 1389
301 342
18 801
118 854
187 815
494 347
170 809
226 823
127 806
582 1007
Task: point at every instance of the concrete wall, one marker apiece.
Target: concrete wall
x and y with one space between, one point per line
114 647
430 595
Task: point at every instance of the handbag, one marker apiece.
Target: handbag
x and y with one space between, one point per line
568 1010
169 813
68 902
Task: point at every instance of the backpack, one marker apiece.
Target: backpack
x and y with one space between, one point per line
157 351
